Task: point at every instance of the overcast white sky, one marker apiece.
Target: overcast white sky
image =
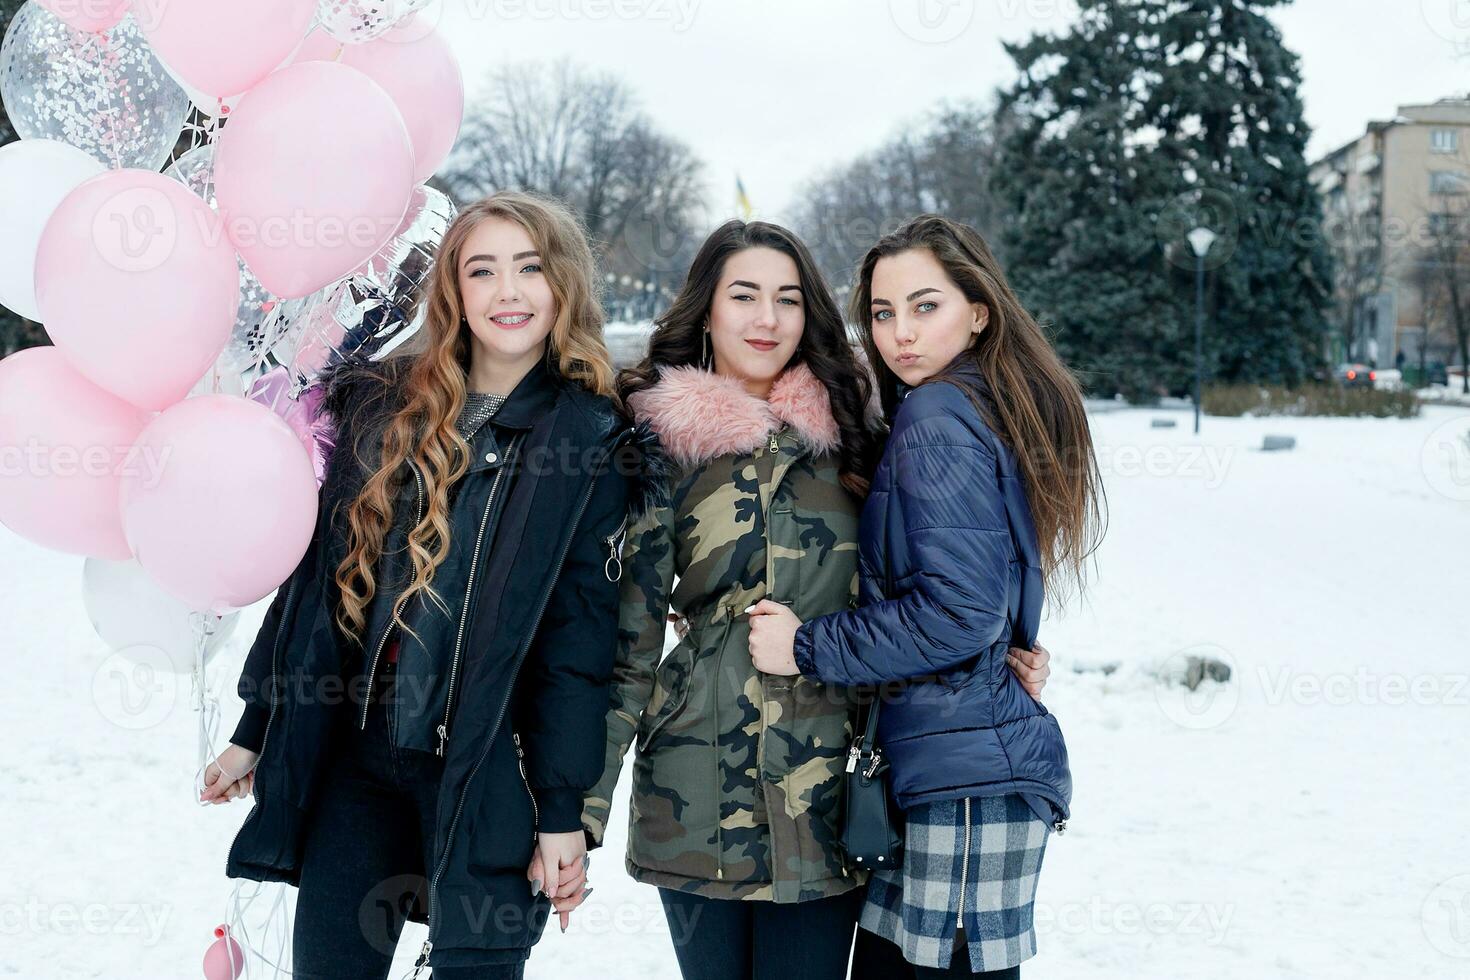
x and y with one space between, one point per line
778 90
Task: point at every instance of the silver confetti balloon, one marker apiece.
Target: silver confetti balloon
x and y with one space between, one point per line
401 268
376 308
359 21
105 93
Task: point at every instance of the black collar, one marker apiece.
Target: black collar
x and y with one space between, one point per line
532 397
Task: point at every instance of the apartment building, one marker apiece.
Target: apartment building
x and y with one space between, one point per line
1386 197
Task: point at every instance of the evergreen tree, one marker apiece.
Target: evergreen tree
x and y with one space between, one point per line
1144 119
1229 107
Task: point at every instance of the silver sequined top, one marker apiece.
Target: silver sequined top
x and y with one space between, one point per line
479 408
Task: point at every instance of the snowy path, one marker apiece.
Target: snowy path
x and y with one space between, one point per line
1306 820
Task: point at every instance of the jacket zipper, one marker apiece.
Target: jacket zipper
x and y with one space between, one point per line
715 703
464 614
964 870
1059 822
773 444
521 763
397 609
464 791
615 542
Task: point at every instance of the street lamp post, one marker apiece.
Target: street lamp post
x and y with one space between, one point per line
1200 240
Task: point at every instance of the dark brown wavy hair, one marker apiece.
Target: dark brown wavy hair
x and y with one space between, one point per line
678 341
1032 402
433 371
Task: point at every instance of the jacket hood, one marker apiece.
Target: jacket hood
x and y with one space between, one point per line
699 415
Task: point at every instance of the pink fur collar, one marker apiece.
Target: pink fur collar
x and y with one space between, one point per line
700 415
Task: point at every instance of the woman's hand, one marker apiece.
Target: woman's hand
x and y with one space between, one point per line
1032 667
566 881
773 638
230 776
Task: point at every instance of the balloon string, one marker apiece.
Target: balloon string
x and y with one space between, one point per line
205 702
89 56
113 122
277 923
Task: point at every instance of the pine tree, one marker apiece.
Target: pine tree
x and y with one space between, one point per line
1229 109
1144 119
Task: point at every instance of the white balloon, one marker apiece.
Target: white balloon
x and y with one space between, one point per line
34 177
131 613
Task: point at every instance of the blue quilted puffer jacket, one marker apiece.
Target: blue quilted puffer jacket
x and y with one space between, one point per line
950 578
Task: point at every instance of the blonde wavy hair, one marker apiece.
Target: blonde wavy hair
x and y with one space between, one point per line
433 372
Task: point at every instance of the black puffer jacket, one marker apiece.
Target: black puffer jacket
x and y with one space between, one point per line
538 660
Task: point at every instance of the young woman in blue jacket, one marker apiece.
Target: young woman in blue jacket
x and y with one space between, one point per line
988 492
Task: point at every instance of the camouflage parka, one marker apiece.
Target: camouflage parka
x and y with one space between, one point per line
737 779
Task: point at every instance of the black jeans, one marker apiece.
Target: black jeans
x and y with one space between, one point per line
371 836
726 939
875 958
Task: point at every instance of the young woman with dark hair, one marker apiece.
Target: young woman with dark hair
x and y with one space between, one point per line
759 404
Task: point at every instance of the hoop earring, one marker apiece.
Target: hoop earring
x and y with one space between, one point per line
704 349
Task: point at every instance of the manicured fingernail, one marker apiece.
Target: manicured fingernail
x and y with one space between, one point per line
749 608
586 861
587 891
536 886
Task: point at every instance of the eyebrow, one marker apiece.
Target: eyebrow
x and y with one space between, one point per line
911 297
514 258
750 285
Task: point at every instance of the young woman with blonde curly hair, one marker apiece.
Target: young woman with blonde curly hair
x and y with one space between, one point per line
425 701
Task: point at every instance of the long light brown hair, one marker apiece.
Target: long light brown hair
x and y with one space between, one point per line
1033 403
433 394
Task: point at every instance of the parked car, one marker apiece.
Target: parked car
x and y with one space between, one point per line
1355 375
1436 374
1388 379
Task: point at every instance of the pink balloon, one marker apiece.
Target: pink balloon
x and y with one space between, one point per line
90 16
138 285
64 446
233 507
224 47
224 960
317 46
313 174
416 66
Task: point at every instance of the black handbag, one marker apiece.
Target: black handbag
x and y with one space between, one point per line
872 833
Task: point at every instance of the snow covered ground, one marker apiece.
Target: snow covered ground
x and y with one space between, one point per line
1304 820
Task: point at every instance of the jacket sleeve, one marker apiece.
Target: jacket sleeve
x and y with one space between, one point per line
254 686
254 683
569 669
648 578
955 603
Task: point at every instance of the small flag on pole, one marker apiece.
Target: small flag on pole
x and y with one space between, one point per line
742 200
